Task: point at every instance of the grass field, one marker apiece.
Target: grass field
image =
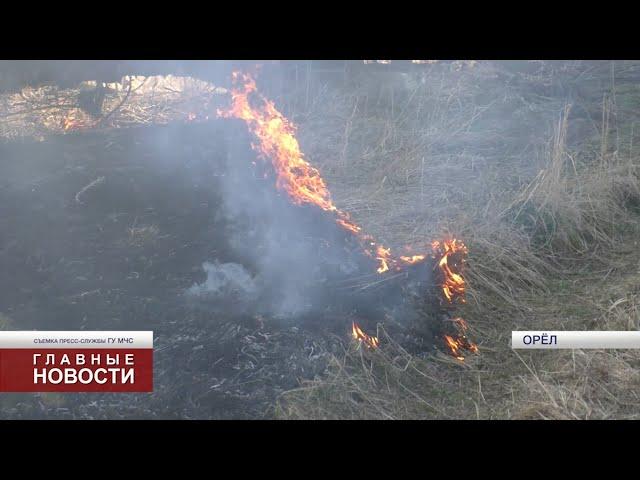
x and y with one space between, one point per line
534 165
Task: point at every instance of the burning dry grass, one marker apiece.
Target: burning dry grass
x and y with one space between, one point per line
549 218
136 100
389 383
365 383
545 198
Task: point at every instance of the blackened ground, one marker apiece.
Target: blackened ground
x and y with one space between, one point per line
106 231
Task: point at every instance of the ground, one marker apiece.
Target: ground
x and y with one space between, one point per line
101 240
532 164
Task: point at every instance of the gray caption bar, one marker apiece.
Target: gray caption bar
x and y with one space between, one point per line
544 339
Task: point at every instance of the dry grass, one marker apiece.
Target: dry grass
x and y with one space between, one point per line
365 384
542 186
549 210
572 208
42 111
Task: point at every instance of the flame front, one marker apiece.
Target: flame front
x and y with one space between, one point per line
450 257
304 185
455 346
453 286
459 344
302 182
358 334
278 143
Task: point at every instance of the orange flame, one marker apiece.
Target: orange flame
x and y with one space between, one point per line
453 288
413 259
384 256
277 142
455 346
459 344
304 185
453 285
359 335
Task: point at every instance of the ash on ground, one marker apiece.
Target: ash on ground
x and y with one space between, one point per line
146 248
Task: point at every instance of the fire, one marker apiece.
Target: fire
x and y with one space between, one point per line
384 257
277 143
453 286
358 334
413 259
459 344
455 346
348 225
461 341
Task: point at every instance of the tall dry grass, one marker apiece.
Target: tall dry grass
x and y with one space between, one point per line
549 210
575 207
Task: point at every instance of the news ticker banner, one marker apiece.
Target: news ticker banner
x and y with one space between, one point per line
76 361
574 339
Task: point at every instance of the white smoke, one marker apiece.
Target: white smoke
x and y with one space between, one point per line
225 280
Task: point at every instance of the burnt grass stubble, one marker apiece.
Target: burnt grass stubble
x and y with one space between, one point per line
121 254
